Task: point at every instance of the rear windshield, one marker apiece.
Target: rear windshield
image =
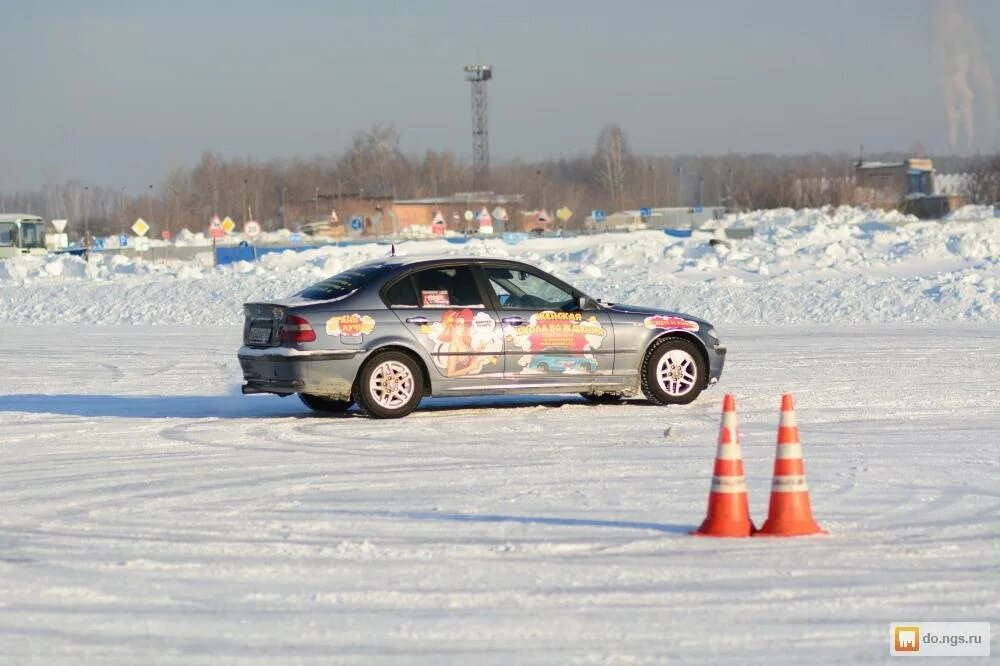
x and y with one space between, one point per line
346 283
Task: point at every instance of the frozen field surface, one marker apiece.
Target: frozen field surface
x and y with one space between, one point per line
149 513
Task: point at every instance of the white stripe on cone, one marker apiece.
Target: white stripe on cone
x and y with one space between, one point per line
727 485
793 483
789 452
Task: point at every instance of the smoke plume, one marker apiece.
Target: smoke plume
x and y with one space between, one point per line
965 77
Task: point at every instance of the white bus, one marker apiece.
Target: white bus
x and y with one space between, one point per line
21 234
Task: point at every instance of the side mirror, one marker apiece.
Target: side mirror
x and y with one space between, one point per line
583 302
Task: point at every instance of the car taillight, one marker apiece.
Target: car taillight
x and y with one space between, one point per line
296 330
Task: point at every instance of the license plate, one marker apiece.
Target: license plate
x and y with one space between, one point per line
260 334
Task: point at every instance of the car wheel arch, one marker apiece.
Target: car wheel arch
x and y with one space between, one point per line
681 335
412 353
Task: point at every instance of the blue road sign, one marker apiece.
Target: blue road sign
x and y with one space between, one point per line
599 215
357 223
295 238
99 243
697 209
645 212
123 240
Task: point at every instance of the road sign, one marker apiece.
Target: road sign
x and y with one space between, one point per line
599 215
99 243
564 214
215 229
59 225
165 235
438 218
468 215
500 214
357 223
252 229
543 216
140 227
645 212
484 218
216 223
141 244
333 217
228 225
123 241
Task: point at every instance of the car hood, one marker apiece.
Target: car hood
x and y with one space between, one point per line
649 312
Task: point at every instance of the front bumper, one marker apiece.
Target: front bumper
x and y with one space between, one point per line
716 359
284 371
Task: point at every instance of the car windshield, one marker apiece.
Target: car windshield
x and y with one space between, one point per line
32 235
6 233
344 284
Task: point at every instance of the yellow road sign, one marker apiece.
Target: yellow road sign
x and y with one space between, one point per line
564 213
228 225
140 227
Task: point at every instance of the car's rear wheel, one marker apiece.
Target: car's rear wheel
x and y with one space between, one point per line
673 372
604 398
390 385
320 404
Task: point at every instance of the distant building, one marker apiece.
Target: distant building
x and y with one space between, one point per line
887 184
415 214
908 185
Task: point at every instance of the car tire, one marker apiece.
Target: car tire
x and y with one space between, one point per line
604 398
389 385
673 372
319 403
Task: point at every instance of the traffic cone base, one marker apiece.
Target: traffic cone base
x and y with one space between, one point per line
728 508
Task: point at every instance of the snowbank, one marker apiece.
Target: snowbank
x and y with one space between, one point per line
827 265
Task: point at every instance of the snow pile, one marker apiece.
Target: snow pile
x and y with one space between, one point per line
823 265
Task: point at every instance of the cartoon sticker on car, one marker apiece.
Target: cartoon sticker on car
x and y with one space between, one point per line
564 364
464 343
351 325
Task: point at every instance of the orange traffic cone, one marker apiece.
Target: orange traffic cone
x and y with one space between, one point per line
790 513
728 509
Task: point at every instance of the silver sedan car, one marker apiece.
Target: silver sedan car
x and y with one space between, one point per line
386 333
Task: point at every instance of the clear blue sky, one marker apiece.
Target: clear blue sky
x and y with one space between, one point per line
115 93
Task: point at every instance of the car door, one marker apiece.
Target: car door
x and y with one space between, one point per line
446 312
548 339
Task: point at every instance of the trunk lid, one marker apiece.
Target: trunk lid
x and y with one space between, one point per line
261 324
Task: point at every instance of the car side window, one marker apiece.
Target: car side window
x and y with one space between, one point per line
446 287
518 289
402 295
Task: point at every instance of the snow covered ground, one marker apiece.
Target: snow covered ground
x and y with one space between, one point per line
150 513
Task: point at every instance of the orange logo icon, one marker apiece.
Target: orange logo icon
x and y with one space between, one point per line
907 639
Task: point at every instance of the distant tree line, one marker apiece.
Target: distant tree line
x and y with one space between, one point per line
614 176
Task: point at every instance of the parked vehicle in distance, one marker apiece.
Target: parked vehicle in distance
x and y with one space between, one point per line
387 333
21 234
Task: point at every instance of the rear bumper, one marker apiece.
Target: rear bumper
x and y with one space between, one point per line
285 371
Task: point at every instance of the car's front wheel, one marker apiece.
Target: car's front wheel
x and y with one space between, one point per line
320 404
673 372
390 385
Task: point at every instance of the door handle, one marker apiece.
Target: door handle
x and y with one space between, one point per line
417 320
513 321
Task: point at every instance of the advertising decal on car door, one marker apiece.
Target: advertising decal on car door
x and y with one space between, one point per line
465 343
568 332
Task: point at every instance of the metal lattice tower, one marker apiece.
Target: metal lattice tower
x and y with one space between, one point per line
478 75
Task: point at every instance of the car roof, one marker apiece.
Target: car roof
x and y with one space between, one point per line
425 259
